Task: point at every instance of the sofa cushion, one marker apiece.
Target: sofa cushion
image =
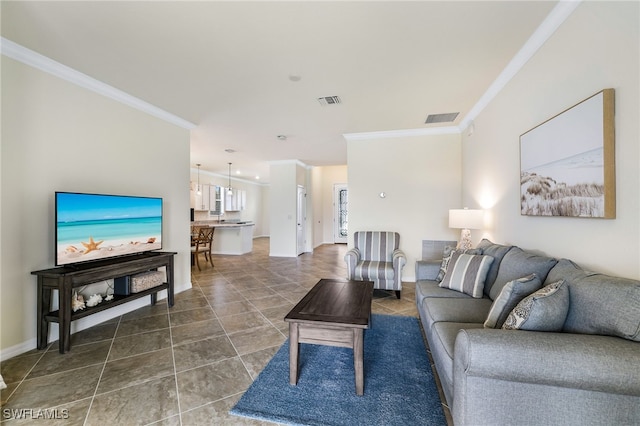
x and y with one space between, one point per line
519 263
544 310
446 259
496 251
599 303
428 288
467 309
466 273
512 293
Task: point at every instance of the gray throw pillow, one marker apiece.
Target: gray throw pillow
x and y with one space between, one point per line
446 258
512 293
544 310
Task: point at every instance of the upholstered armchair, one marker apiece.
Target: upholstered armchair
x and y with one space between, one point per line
376 257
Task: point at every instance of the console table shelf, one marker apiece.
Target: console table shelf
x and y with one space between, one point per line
65 279
117 300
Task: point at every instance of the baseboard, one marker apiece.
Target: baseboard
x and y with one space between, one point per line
87 322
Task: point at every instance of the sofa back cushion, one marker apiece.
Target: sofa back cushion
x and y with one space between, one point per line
496 251
599 303
518 263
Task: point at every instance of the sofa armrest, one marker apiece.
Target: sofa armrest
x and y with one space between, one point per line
427 269
576 361
352 257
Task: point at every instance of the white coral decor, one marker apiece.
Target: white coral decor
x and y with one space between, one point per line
109 297
94 300
77 302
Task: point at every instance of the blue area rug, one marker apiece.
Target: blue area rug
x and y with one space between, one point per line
399 388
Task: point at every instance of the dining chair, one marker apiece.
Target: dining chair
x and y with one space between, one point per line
202 245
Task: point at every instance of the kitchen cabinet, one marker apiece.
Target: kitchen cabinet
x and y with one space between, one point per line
216 200
236 201
202 200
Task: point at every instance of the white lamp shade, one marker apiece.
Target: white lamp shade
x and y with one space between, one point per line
466 219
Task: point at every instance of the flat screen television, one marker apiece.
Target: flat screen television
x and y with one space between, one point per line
92 227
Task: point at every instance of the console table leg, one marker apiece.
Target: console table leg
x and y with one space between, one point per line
64 317
44 304
358 362
169 271
294 348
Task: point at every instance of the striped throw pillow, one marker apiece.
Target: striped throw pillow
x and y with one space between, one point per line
466 273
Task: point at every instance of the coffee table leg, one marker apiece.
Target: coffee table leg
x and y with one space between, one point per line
294 348
358 363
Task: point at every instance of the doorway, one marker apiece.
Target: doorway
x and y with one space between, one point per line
340 213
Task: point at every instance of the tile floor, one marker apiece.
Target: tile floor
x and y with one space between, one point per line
187 365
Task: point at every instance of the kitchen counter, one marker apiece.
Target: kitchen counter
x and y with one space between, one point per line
230 237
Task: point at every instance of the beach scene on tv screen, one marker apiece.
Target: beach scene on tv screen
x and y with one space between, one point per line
92 227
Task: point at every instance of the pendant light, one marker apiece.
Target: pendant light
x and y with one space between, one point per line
229 190
198 191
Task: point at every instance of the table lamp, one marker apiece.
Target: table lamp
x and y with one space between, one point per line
466 220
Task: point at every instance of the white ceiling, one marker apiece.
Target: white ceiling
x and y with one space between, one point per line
226 66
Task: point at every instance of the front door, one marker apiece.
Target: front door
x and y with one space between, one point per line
340 210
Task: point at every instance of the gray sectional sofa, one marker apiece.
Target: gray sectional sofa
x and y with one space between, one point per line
582 369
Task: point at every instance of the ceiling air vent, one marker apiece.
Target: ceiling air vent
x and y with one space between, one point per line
441 118
329 100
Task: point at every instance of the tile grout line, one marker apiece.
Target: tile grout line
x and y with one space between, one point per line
175 370
225 330
49 346
104 367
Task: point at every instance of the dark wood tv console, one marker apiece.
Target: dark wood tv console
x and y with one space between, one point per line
66 278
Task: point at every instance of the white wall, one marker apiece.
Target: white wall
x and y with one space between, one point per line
58 136
596 48
283 208
421 176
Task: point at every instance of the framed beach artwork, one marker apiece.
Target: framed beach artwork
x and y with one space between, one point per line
567 163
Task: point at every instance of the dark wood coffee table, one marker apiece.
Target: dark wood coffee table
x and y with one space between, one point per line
333 313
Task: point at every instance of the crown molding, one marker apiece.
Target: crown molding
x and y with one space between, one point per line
389 134
20 53
233 178
547 28
296 162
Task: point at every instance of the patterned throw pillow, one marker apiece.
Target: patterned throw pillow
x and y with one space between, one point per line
446 258
544 310
466 273
512 293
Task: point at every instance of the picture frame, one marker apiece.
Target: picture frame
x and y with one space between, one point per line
567 163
